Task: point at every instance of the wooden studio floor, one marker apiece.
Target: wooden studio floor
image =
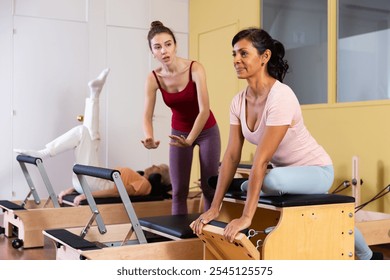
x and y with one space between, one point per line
7 252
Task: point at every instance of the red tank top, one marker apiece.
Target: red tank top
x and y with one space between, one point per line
184 105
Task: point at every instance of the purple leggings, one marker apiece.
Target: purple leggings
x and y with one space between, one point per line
180 162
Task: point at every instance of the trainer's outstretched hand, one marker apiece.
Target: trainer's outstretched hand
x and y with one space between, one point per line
149 143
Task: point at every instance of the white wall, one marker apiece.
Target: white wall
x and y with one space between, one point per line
49 50
6 154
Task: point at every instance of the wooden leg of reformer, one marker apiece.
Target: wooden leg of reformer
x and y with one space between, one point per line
31 223
6 223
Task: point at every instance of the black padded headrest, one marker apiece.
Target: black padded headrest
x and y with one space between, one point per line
159 189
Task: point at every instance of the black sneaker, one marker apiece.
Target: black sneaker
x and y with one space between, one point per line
377 256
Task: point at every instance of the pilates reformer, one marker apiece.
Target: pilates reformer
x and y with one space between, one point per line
27 223
160 237
36 202
294 227
309 227
8 207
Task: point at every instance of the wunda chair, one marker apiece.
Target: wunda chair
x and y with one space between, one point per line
162 237
303 227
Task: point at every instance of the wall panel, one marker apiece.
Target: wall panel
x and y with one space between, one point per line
74 10
128 13
49 89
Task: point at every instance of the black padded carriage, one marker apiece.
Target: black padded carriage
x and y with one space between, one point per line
78 241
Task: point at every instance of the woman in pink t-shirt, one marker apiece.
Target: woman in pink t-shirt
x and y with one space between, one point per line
268 114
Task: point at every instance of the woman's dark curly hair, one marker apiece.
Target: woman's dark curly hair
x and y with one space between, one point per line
277 67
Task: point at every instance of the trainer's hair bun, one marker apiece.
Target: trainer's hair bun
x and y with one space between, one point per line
156 23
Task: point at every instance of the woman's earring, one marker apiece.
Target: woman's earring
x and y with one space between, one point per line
262 64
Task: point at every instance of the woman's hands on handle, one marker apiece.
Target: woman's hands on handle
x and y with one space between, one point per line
204 219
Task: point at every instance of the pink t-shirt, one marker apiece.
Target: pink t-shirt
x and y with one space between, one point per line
298 147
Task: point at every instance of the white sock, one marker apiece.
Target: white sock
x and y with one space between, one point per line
38 154
96 85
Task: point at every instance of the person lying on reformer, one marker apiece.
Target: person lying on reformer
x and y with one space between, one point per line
84 140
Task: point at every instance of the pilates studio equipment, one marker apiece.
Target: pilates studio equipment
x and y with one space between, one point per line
9 206
158 192
163 237
36 201
309 227
285 227
27 222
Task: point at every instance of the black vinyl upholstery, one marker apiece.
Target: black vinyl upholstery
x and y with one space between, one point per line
174 225
286 200
11 205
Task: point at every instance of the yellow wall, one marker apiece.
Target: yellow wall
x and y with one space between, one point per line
345 130
358 129
213 24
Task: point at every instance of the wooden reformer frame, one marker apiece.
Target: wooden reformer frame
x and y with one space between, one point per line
319 228
30 219
120 241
